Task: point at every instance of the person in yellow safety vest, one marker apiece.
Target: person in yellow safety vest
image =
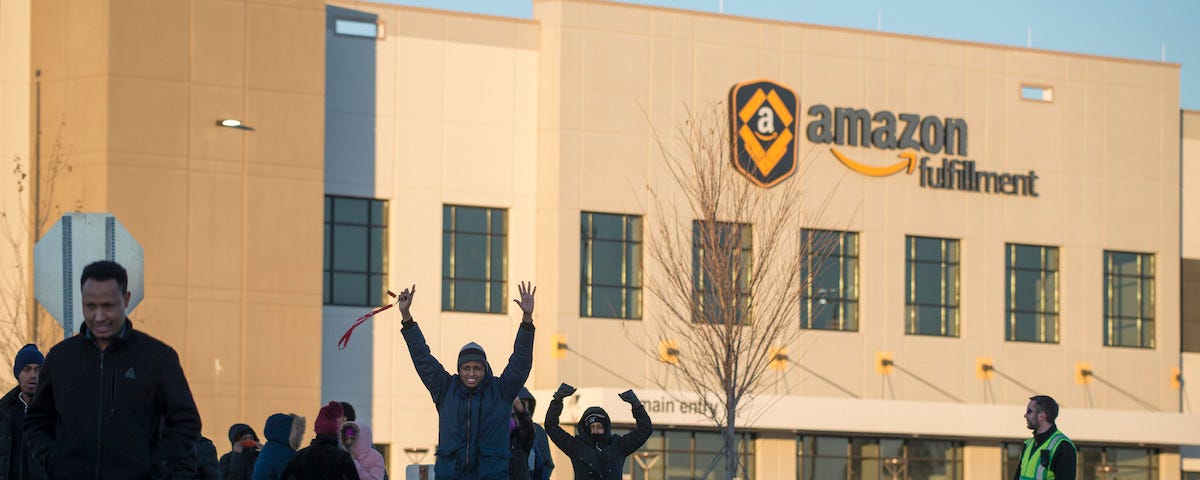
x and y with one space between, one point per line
1049 455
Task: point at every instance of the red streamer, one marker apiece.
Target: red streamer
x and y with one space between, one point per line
361 320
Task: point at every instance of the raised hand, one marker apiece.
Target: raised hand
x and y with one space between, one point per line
629 397
404 302
527 290
564 391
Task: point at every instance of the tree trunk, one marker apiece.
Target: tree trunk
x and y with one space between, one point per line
730 437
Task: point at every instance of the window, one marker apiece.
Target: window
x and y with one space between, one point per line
355 251
721 263
1129 463
1128 299
687 455
931 280
827 457
1037 93
473 259
829 277
1031 293
610 257
356 28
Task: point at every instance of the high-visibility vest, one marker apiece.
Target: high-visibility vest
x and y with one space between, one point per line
1035 463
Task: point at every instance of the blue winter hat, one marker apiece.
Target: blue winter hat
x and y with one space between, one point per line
25 356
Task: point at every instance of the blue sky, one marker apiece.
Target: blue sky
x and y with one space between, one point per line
1119 28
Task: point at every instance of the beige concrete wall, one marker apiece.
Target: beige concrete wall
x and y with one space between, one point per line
456 123
139 86
15 151
1190 164
609 68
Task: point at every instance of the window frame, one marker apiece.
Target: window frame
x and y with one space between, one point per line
631 282
813 253
956 465
1011 313
329 291
1142 279
950 328
450 281
744 259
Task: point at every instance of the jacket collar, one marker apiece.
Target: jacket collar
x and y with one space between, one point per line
122 336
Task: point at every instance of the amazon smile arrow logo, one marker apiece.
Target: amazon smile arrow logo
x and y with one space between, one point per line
909 162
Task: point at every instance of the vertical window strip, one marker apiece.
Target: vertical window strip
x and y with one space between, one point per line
625 285
1115 321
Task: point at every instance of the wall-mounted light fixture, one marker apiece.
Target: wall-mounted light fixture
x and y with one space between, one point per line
234 123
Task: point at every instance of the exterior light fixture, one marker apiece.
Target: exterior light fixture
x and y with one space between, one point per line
234 123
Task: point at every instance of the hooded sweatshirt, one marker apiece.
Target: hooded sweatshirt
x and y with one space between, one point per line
367 460
472 422
284 433
541 463
599 456
238 465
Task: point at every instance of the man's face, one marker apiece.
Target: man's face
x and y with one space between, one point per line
1033 416
104 308
471 373
28 378
248 436
596 428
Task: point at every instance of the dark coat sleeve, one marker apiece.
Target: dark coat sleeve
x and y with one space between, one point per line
41 418
206 452
1063 464
525 432
348 470
560 437
632 441
174 400
223 465
431 371
541 442
519 363
236 467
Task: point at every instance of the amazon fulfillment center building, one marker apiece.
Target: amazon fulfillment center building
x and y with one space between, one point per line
1029 210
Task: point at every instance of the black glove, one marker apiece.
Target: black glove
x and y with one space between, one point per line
629 396
564 391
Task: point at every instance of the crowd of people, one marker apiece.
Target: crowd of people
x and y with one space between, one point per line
113 402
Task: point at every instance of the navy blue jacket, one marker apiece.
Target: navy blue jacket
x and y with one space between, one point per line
278 450
472 423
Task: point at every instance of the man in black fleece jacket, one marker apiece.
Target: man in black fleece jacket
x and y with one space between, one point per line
103 394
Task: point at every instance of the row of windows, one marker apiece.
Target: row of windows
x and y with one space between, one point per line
684 454
474 274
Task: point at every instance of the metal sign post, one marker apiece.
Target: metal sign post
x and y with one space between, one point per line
76 240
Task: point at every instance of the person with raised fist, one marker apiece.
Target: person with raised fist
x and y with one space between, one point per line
596 453
474 406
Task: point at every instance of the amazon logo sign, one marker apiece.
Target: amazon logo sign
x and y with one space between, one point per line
765 119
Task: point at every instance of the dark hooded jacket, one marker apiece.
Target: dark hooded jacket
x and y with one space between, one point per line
126 412
520 442
239 465
12 440
541 465
600 457
283 432
473 441
323 459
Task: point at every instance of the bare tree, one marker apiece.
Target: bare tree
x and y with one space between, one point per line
726 271
21 225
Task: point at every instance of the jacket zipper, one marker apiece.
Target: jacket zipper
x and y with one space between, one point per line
470 399
100 414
